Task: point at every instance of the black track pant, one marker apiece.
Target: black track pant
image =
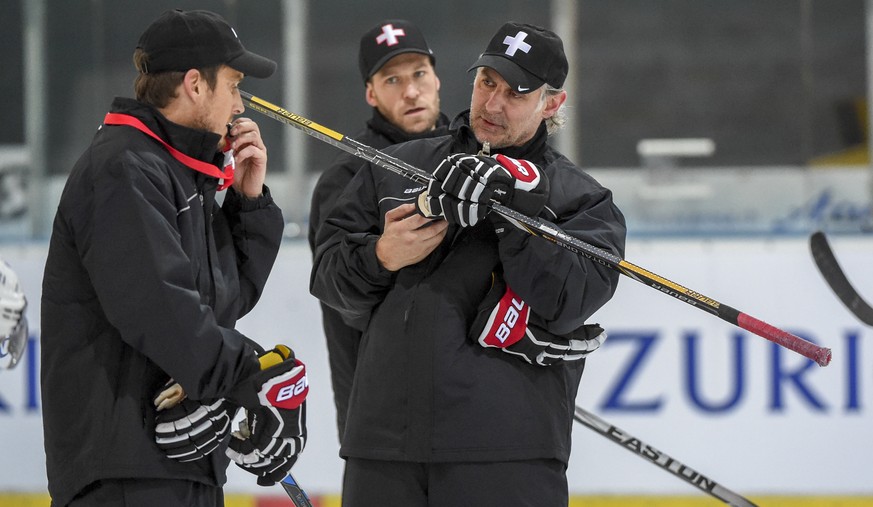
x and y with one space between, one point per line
534 483
148 493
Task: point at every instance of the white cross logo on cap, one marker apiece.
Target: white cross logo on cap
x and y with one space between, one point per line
515 43
390 34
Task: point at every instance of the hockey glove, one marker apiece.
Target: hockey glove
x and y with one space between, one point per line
504 322
13 322
517 184
455 211
274 432
189 430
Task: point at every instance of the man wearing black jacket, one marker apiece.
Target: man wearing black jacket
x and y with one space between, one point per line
475 331
145 279
401 85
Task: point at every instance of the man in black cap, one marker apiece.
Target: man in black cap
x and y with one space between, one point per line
401 85
475 331
146 276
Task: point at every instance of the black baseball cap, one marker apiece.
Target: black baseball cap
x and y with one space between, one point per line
181 40
526 56
387 40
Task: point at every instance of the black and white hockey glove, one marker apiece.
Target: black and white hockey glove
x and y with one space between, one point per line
455 211
274 432
463 185
13 322
504 321
189 430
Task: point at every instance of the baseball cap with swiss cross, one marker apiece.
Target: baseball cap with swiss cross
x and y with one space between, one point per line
387 40
526 56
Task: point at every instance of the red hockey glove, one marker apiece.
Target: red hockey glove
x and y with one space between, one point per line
274 432
189 430
504 322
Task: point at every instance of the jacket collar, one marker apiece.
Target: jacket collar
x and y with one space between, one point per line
464 137
196 143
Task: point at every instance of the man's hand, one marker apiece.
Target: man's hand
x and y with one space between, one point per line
464 185
275 425
504 321
250 155
408 237
187 430
455 211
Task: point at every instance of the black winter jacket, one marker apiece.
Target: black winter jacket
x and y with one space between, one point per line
343 339
145 279
379 133
423 390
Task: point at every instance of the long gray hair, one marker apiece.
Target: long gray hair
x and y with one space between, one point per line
557 120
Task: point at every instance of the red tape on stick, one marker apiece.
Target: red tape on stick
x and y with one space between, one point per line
820 355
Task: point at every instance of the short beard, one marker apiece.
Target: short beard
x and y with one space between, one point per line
199 122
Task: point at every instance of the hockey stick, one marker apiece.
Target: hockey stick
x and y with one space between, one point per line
551 232
646 451
835 277
298 497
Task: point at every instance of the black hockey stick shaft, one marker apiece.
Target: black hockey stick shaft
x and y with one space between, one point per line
551 232
661 459
833 274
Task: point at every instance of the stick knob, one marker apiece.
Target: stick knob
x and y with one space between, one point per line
424 206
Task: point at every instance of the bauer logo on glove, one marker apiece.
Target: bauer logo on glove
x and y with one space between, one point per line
288 390
526 174
504 322
507 322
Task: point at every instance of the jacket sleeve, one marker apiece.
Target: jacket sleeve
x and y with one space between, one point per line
256 226
328 189
132 249
562 287
346 274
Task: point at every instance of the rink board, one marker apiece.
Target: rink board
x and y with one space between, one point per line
733 407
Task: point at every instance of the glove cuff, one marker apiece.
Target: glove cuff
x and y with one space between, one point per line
282 383
507 322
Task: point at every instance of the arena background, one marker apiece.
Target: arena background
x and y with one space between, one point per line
729 131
